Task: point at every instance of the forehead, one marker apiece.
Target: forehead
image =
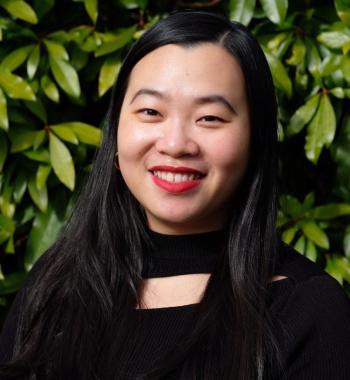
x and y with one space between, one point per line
195 70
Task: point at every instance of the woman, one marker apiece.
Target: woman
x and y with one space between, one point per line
170 266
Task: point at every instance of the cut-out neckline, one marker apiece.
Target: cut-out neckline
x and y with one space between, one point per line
169 308
191 306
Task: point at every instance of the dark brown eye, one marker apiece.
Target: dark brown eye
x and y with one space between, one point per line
149 112
211 118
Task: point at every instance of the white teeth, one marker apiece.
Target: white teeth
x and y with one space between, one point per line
175 177
178 178
184 177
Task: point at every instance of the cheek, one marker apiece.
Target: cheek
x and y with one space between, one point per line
132 141
230 153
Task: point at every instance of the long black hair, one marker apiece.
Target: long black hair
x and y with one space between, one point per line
79 302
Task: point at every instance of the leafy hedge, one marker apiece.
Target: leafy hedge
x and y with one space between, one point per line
58 61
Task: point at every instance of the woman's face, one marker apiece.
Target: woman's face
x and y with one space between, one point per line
183 136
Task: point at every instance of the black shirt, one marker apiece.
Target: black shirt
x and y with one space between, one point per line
311 306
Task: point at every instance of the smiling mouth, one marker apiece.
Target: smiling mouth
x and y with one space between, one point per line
176 177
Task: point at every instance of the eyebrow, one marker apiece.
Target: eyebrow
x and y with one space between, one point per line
208 99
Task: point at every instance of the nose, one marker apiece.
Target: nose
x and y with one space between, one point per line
175 141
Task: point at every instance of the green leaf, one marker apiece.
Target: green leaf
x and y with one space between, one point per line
39 139
298 53
275 42
41 176
133 4
3 150
291 206
279 74
334 39
4 236
79 33
61 161
303 115
33 62
43 6
91 43
313 60
338 92
300 245
311 251
39 196
21 139
66 77
333 270
19 187
330 211
28 214
313 232
15 87
7 206
20 9
41 155
7 224
114 41
346 242
339 267
44 232
242 11
343 10
12 283
108 74
345 67
321 130
86 133
37 108
346 47
289 234
50 89
4 122
56 50
65 133
15 58
309 201
10 245
91 9
343 264
79 58
330 64
276 10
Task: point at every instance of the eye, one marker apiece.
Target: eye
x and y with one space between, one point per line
211 118
149 112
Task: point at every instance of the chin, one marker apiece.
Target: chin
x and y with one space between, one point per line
179 222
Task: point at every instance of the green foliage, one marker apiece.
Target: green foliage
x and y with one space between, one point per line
58 62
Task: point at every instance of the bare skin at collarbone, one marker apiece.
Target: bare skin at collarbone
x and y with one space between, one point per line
177 290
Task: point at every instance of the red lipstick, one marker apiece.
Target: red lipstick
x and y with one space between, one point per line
176 187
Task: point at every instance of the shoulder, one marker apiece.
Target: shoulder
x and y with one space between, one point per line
312 313
310 287
292 264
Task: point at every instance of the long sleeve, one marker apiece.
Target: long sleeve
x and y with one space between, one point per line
316 331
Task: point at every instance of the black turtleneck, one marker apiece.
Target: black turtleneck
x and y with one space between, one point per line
312 310
171 255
